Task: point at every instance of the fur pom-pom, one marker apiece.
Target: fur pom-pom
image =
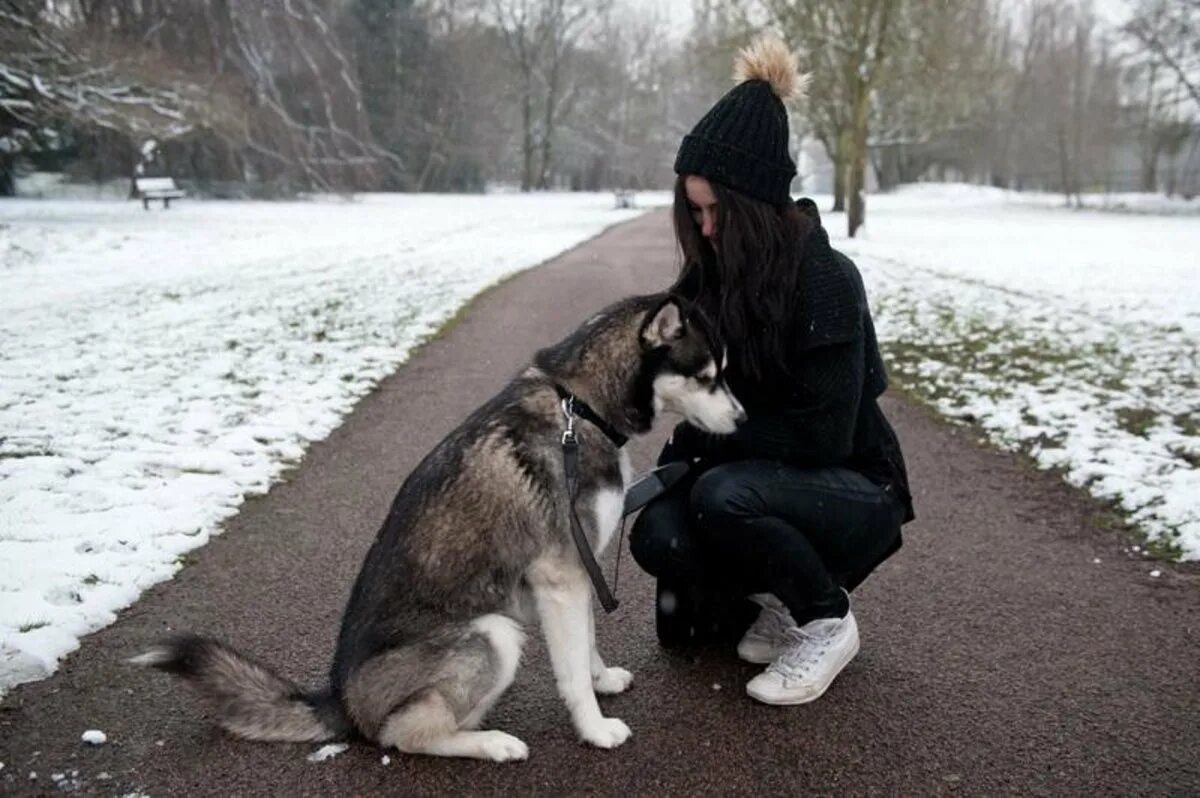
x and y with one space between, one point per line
768 58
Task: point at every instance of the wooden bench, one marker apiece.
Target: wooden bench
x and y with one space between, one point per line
624 198
157 188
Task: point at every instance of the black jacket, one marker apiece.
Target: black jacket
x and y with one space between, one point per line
827 414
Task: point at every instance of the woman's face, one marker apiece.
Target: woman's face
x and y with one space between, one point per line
702 203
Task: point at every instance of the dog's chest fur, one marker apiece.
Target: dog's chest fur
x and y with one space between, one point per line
609 504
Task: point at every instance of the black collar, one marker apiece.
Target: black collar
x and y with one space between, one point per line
580 408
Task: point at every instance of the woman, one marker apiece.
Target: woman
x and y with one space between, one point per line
802 502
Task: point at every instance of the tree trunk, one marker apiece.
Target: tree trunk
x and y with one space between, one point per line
1064 165
1150 169
888 163
8 184
839 172
543 182
857 164
857 211
527 146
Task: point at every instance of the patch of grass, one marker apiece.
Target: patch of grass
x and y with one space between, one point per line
1136 420
23 453
1044 440
1161 549
1188 423
91 579
329 306
1112 521
1189 457
29 627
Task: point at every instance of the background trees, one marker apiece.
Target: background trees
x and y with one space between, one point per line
282 96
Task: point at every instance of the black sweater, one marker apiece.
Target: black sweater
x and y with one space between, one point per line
827 413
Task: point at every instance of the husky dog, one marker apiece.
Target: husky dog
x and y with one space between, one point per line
476 544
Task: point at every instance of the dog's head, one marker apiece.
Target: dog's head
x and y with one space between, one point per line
686 372
641 357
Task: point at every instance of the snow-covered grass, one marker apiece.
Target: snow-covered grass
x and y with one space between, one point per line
159 367
1071 335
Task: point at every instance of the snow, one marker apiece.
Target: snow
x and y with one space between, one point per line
327 752
94 737
1073 335
159 367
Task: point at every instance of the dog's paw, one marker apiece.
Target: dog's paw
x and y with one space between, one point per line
612 681
606 733
501 747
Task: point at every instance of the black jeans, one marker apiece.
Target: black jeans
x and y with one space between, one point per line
758 526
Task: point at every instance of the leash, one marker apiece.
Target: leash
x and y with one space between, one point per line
572 406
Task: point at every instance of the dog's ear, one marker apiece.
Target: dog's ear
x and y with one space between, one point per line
665 325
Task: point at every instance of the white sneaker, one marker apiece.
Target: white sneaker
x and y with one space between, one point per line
814 656
765 639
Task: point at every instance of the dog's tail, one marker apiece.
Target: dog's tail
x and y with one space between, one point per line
250 700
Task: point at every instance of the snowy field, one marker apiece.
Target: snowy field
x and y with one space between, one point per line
1071 335
158 368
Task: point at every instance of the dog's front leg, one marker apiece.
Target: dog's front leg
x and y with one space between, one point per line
605 680
564 608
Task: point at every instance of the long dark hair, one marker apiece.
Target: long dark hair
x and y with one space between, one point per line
748 283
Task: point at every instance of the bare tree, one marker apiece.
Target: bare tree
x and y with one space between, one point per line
50 84
847 45
942 74
1164 78
542 37
1169 32
263 94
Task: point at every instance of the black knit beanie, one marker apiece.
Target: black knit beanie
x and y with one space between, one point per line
742 142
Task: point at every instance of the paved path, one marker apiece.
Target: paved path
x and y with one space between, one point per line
997 657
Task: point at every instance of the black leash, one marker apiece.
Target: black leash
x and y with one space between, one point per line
572 407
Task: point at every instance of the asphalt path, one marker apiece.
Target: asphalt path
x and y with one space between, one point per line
998 657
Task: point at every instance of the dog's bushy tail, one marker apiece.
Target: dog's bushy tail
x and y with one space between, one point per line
250 699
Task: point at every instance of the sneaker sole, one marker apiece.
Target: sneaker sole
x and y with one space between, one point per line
793 702
754 658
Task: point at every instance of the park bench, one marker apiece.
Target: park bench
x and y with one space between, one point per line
624 197
157 188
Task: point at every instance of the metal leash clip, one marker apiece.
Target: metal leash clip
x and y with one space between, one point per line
568 408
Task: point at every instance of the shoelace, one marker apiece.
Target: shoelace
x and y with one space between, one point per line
771 623
804 650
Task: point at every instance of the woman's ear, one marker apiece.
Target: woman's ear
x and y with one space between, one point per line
665 325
